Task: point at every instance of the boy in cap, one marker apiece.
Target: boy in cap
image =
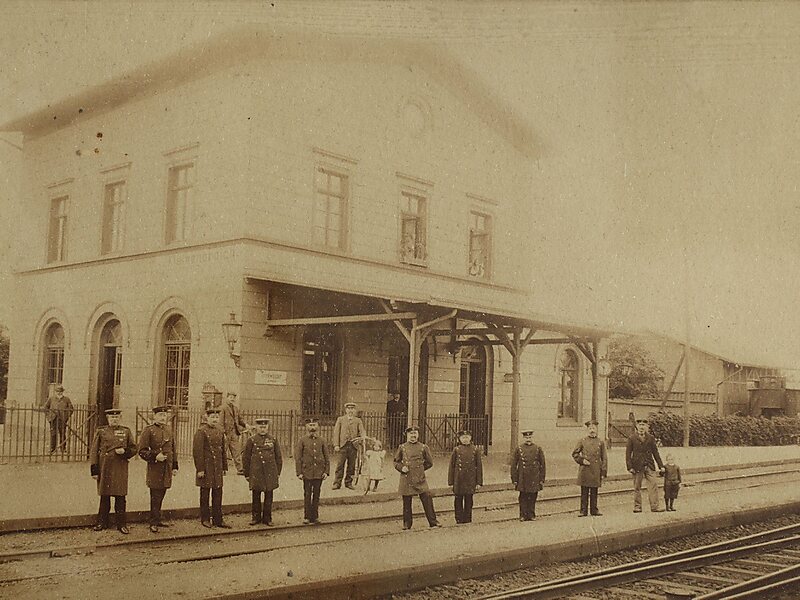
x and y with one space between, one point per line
262 463
211 465
112 448
59 409
639 459
465 475
590 454
528 472
157 448
412 459
312 465
347 429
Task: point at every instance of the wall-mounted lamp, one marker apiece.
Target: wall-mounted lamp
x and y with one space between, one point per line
232 329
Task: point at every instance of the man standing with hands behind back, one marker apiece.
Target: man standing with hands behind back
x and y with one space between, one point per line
639 457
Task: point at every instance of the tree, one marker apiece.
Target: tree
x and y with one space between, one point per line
4 348
634 373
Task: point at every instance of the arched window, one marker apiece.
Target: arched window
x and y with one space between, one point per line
109 371
568 403
52 361
177 345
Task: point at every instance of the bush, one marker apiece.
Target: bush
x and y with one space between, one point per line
711 430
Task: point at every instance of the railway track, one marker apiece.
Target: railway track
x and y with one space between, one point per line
752 566
206 546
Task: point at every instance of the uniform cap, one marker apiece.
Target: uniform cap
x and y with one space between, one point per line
59 388
113 411
527 432
160 409
592 422
212 411
349 404
262 421
641 420
312 420
464 432
412 428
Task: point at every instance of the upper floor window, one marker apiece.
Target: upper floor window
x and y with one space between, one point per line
413 225
181 182
330 208
113 217
480 244
568 403
57 230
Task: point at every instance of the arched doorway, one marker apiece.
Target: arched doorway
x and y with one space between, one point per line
52 361
176 338
472 392
109 366
321 351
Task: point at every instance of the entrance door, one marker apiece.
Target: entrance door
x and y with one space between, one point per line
110 371
320 367
472 391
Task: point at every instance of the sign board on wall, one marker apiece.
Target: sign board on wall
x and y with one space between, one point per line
443 387
270 377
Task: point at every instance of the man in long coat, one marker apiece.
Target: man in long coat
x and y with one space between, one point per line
312 465
465 475
641 456
590 454
59 409
211 465
262 463
412 459
113 446
528 471
157 448
232 423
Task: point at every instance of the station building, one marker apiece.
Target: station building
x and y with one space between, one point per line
357 213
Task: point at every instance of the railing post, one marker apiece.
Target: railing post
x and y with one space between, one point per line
292 426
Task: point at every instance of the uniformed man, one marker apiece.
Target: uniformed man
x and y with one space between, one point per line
157 448
528 472
641 457
346 431
262 463
113 446
465 475
412 459
312 466
590 454
211 465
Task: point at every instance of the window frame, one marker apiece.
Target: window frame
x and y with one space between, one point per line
423 197
576 386
107 239
175 159
60 222
344 207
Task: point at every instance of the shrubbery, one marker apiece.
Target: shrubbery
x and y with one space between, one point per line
711 430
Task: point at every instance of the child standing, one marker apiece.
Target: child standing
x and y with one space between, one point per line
374 460
465 475
672 482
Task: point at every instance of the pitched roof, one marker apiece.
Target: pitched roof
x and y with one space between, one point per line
241 44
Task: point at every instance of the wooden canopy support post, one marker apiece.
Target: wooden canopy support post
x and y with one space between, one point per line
589 350
668 391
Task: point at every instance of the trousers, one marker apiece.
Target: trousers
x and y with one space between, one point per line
120 505
311 488
213 514
156 499
427 506
263 515
588 500
649 476
347 454
527 505
463 506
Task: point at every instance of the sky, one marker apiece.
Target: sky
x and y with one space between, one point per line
672 129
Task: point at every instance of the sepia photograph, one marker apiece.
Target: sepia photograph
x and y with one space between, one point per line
400 300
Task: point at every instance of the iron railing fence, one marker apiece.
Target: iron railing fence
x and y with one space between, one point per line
26 434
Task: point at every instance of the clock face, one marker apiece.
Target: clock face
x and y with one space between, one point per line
604 368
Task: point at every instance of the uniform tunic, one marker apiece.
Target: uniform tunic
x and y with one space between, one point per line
154 439
208 450
311 458
528 468
466 470
262 462
112 468
417 457
593 450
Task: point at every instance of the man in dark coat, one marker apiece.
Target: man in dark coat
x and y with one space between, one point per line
639 459
412 459
157 448
465 475
590 454
528 471
113 446
211 465
312 465
59 409
262 463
